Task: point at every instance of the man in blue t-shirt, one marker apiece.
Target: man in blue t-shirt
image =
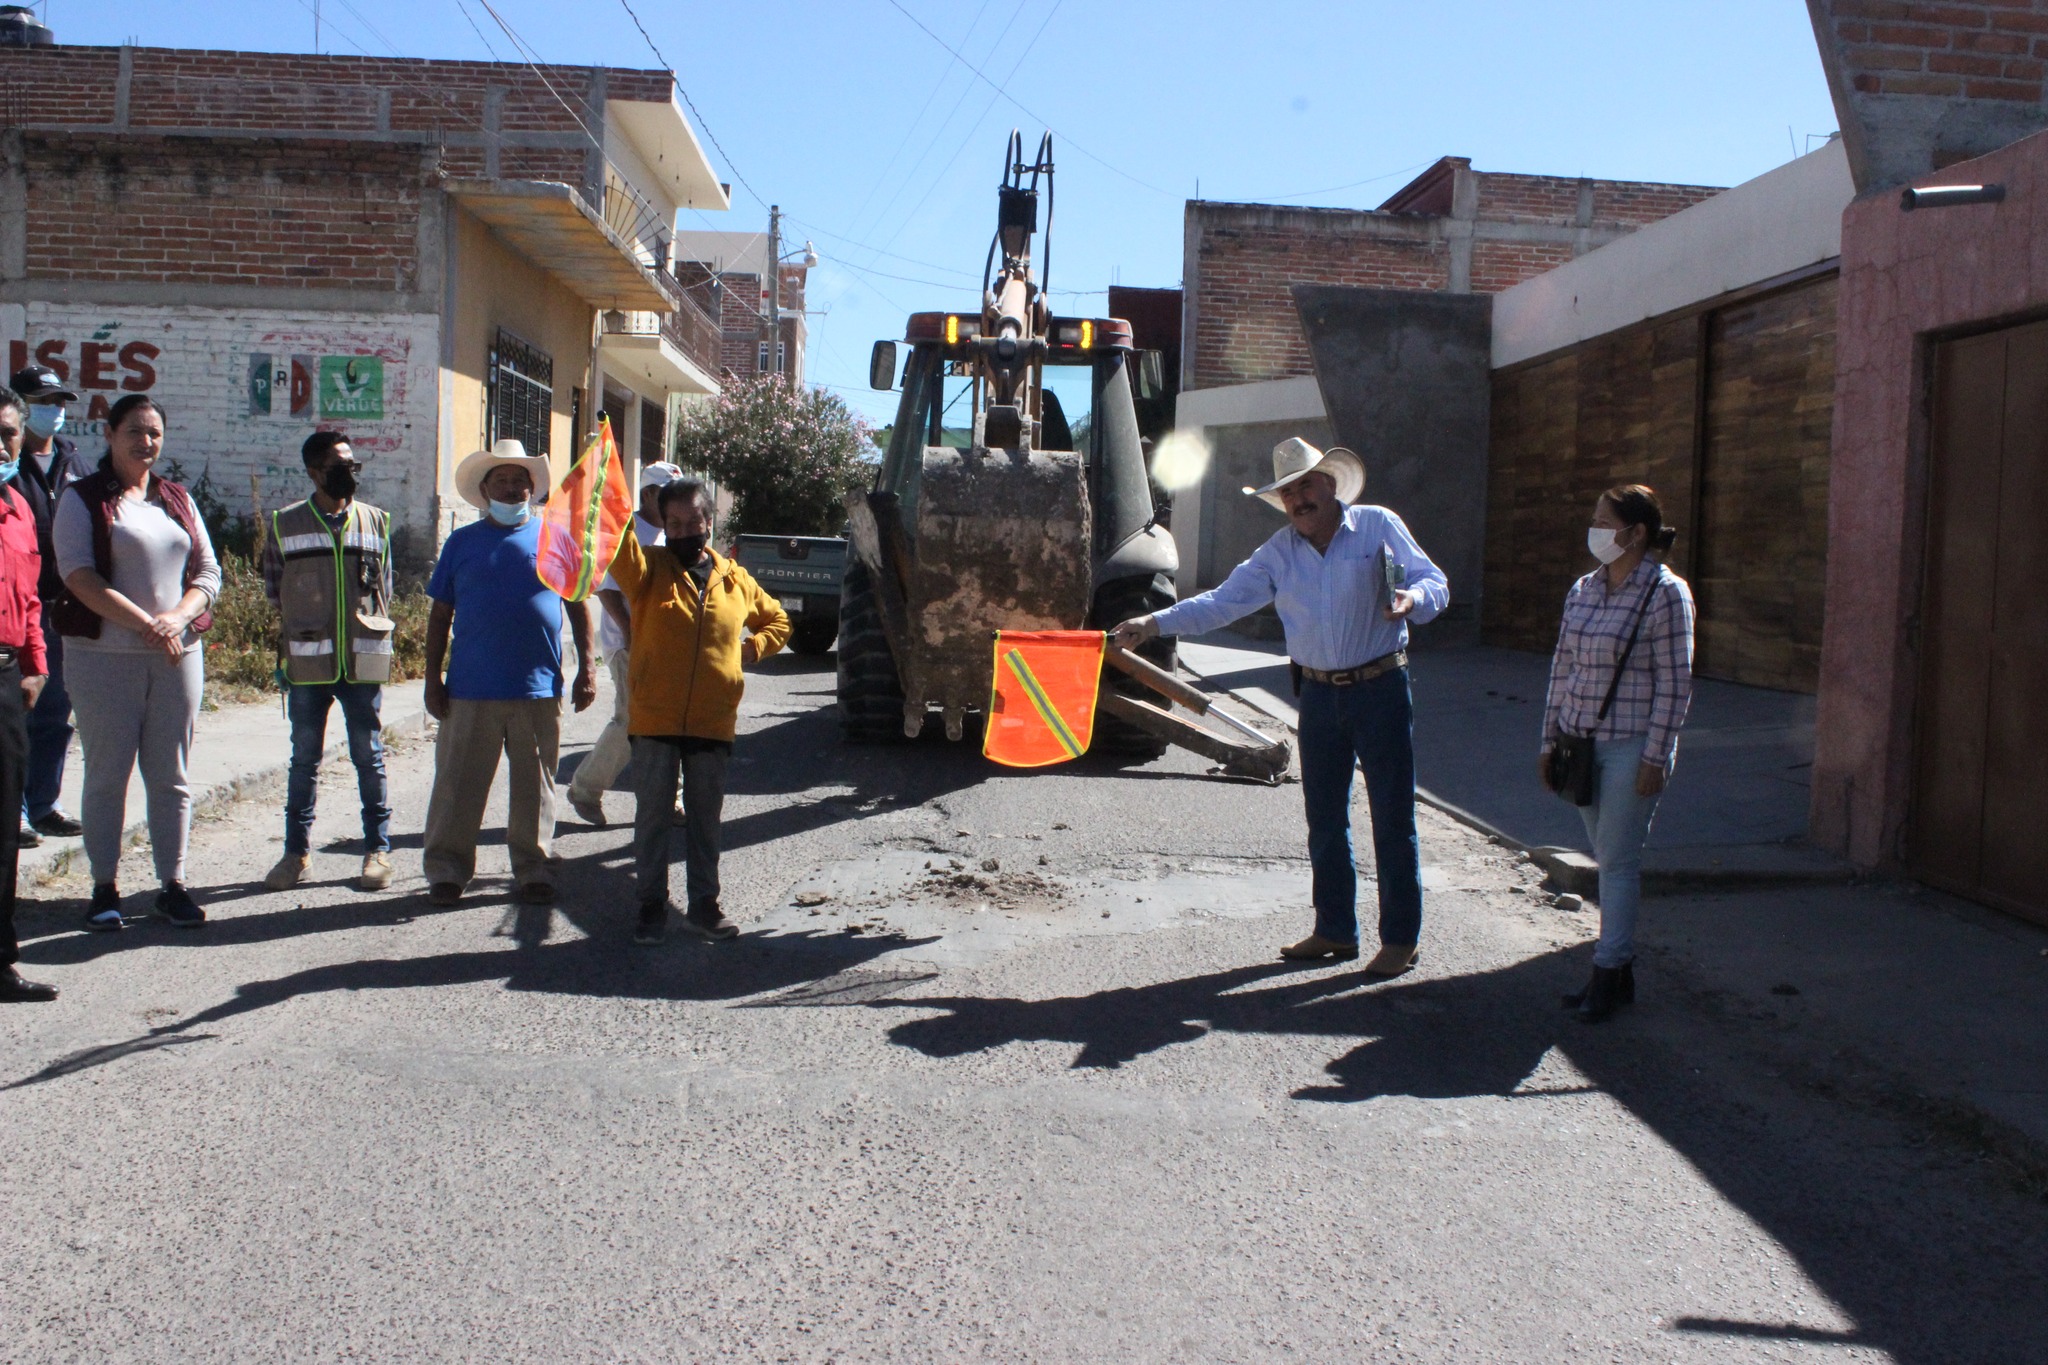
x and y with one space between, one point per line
503 690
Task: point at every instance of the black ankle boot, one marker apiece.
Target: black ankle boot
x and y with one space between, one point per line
1625 989
1602 994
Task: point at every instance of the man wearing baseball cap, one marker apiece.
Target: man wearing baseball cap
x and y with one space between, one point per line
50 463
614 749
1347 579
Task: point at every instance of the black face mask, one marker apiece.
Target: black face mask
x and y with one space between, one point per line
687 549
339 481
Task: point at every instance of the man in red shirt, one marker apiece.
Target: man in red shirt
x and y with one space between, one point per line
23 671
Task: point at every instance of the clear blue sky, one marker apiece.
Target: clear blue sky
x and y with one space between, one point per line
866 131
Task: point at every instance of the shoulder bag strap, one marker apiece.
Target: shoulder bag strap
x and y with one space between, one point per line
1621 665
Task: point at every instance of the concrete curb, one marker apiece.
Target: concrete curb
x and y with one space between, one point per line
41 866
1571 871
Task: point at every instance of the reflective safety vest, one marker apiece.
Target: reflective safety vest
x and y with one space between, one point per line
335 594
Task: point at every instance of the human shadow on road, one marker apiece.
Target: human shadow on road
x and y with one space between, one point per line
1927 1269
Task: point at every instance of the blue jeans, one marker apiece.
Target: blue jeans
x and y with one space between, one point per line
49 736
1618 823
1372 724
307 704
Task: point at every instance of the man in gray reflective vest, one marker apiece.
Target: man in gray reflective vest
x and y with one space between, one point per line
327 569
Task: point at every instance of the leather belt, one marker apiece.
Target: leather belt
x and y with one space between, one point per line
9 656
1365 672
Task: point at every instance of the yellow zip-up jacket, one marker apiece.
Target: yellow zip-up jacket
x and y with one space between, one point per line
683 671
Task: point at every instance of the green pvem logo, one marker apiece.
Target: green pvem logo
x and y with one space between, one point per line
352 386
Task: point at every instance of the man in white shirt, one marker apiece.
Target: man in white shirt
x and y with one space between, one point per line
1346 580
603 764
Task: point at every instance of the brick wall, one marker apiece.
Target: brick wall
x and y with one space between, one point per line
204 365
276 214
1556 200
263 91
1242 258
1500 265
1984 51
1248 328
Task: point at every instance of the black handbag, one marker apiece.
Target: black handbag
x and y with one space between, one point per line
1572 771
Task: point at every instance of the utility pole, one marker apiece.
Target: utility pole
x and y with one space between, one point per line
775 289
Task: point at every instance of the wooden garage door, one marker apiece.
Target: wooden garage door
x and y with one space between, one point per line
1979 824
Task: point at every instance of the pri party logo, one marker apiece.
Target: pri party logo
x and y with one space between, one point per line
324 386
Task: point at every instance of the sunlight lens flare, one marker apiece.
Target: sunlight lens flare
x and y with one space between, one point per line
1180 460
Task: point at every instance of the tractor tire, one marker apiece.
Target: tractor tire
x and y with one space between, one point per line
870 690
812 637
1120 601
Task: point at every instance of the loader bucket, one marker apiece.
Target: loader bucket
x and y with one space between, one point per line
1001 542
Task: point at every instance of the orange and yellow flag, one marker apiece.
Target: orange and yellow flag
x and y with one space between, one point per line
1041 708
586 518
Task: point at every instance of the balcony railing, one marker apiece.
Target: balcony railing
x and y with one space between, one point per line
689 329
629 213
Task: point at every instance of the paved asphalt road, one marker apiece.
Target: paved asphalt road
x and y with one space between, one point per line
1070 1108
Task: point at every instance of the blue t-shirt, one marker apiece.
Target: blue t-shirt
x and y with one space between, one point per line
507 635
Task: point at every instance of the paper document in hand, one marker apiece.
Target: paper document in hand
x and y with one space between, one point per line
1041 707
584 522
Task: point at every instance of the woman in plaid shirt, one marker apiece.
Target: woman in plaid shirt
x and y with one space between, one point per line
1636 742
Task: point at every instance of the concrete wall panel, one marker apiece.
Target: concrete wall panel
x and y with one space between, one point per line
1406 380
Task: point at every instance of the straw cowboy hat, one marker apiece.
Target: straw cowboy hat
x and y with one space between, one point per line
1295 457
469 475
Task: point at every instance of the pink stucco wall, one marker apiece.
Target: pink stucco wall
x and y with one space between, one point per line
1905 277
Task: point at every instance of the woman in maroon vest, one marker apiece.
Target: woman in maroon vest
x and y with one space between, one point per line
139 578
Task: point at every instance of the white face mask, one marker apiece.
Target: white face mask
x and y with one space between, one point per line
1600 541
510 513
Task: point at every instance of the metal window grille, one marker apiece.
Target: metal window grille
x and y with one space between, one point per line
522 393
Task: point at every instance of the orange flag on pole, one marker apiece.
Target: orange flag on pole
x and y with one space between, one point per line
1041 708
586 518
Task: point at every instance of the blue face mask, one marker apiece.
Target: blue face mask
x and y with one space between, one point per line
510 513
9 470
45 420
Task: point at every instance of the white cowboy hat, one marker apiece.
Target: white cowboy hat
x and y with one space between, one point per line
1295 457
469 475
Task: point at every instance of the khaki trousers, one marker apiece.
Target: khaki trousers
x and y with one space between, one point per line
466 751
614 748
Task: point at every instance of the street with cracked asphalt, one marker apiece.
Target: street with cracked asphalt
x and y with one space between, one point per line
1003 1067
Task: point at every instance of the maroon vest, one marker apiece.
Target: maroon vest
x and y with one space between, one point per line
101 493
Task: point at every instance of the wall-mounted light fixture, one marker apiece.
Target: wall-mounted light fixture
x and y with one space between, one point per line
1949 196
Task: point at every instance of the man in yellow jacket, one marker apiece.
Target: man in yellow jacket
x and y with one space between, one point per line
691 610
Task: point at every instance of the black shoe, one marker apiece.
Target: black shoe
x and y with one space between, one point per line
1602 995
104 914
175 903
58 825
15 991
653 925
707 921
28 838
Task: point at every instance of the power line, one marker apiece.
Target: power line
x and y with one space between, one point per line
878 222
975 127
931 93
478 31
1145 184
864 246
1332 189
702 122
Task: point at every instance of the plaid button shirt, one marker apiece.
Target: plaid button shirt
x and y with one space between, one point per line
1656 688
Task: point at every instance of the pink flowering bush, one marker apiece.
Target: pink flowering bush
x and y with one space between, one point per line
788 456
